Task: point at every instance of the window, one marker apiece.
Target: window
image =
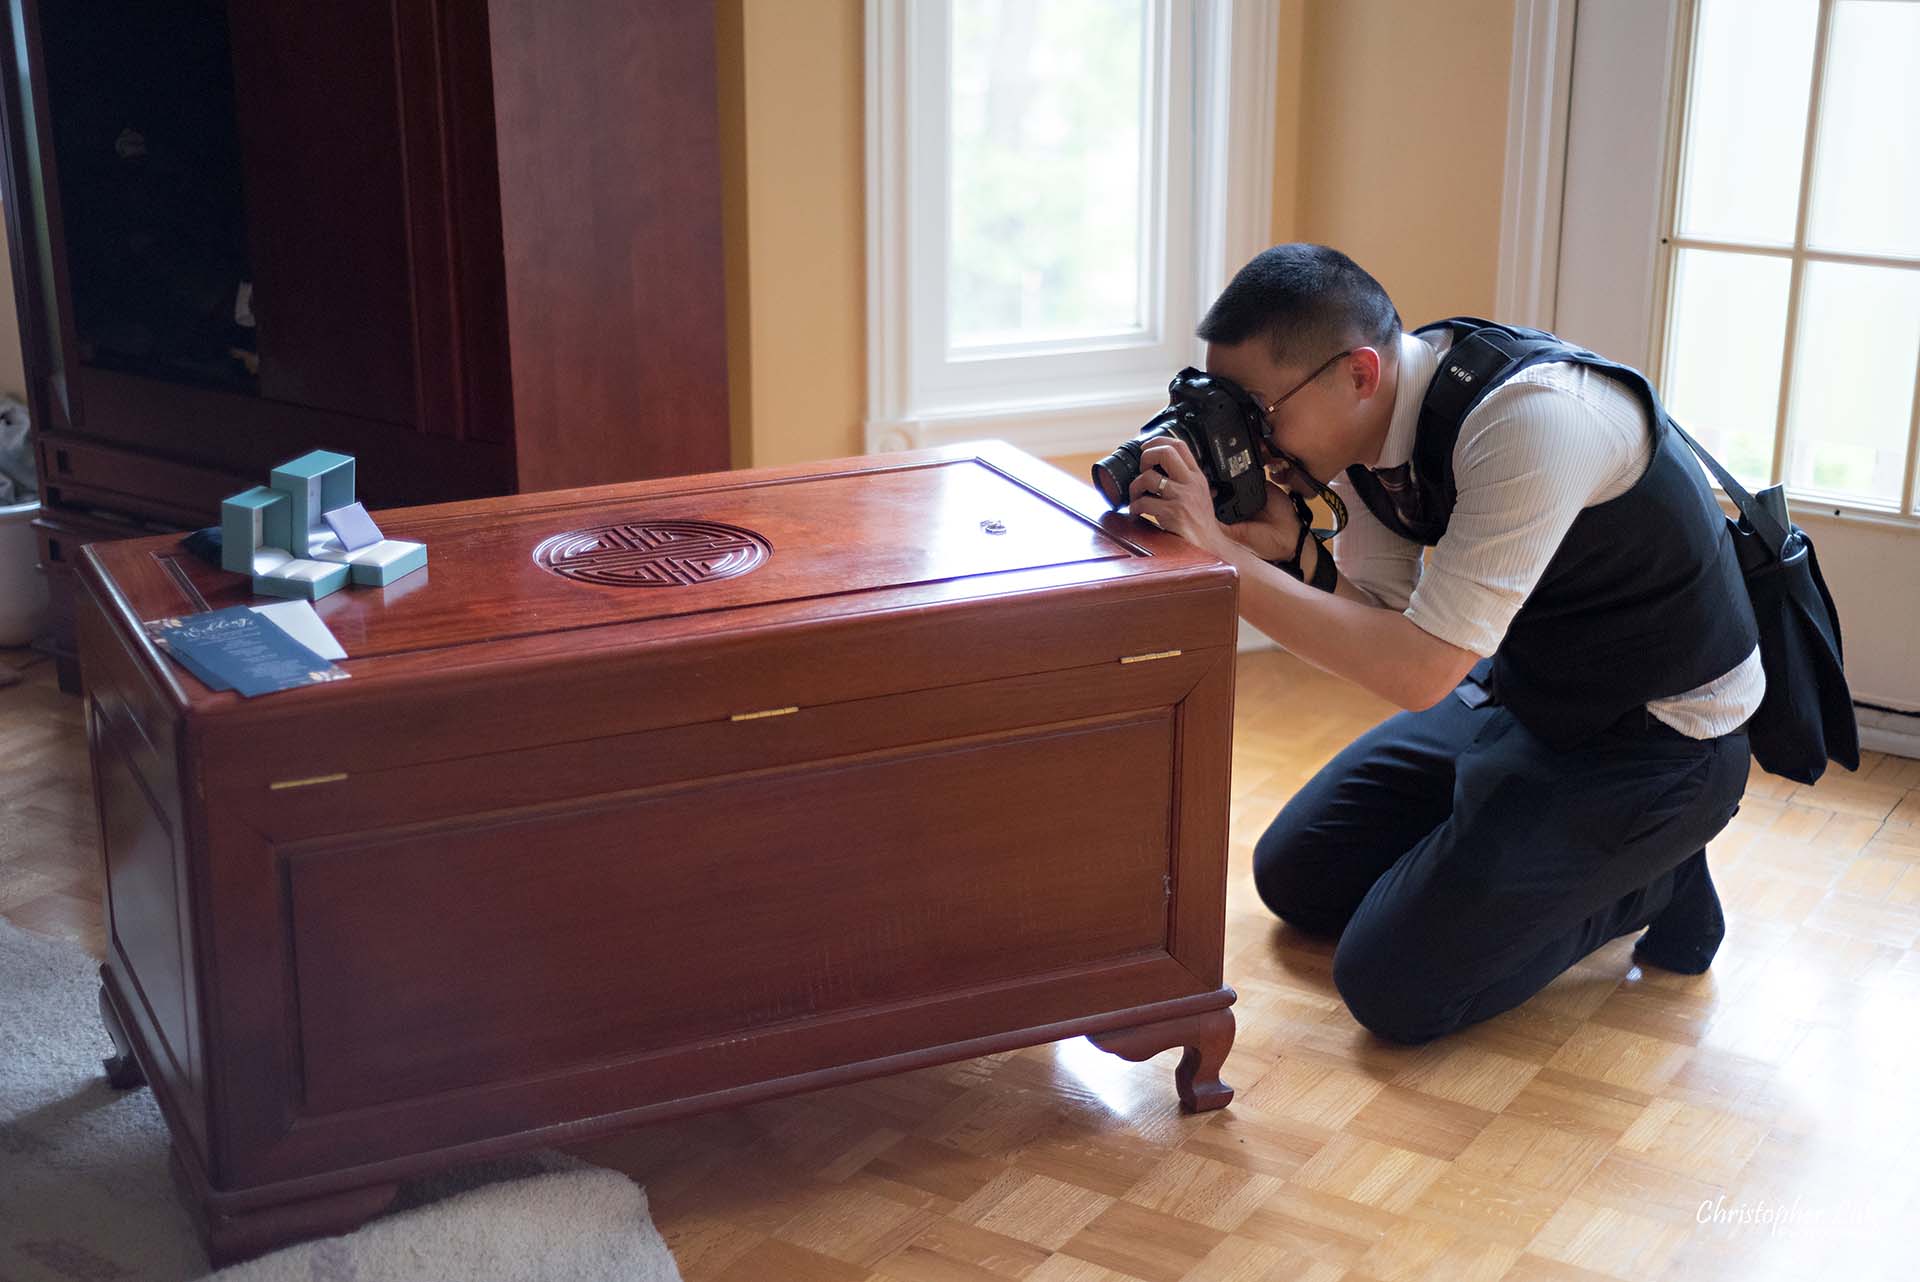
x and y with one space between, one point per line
1054 227
1791 313
1056 189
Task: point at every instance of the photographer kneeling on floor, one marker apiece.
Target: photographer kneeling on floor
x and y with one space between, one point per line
1577 658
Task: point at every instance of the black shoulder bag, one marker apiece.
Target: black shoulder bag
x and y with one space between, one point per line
1806 717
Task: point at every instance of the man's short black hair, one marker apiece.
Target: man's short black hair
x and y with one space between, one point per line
1307 301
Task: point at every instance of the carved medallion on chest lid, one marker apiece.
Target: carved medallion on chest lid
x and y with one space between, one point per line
653 554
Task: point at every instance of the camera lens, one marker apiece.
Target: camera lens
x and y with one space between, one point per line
1114 475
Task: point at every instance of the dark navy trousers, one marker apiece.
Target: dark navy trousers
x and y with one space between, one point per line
1463 863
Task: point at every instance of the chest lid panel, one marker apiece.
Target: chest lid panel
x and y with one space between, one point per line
628 559
703 558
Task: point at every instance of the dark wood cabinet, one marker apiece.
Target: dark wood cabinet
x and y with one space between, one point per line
474 244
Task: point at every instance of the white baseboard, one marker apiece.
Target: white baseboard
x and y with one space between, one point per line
1896 733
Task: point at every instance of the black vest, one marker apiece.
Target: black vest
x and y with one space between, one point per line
1642 600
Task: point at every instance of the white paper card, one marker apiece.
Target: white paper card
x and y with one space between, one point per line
298 620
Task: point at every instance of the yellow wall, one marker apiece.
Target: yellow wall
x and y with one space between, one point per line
1289 104
792 85
1401 144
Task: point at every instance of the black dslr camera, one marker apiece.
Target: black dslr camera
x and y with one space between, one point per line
1222 428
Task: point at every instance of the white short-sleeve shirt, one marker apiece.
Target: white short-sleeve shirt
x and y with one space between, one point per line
1549 442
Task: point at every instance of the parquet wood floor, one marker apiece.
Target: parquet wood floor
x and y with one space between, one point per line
1756 1122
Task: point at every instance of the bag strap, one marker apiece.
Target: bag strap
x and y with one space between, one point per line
1758 519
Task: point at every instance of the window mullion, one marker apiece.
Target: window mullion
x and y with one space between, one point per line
1787 251
1150 243
1861 260
1798 276
1731 247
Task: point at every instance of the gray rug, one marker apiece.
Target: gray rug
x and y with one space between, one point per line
85 1195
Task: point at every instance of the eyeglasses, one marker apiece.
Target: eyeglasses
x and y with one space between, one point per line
1334 505
1324 367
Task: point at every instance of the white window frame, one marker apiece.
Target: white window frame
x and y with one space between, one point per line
1062 369
1208 207
1798 255
1534 184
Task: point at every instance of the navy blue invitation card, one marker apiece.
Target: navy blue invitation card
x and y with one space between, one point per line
238 649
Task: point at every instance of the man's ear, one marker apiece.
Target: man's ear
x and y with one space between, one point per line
1363 367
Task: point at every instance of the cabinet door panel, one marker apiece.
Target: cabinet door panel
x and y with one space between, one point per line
318 94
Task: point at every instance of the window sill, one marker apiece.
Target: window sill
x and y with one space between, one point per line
1805 508
1091 425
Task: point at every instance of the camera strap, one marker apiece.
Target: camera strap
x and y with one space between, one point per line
1325 574
1335 505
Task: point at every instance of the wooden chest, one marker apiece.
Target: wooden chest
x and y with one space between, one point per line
654 798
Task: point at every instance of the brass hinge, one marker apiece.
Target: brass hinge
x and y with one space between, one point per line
1149 658
755 716
279 785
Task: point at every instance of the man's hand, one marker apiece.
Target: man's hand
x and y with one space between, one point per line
1180 502
1272 533
1172 492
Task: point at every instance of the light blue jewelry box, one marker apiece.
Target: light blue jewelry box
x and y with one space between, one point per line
250 523
385 561
315 483
377 564
308 580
